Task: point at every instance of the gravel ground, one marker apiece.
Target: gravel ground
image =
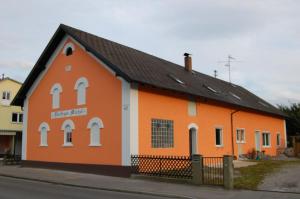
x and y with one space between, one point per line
287 179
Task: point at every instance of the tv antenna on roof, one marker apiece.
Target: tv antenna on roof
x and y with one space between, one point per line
230 59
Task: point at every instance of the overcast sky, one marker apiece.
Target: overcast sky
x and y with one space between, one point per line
263 35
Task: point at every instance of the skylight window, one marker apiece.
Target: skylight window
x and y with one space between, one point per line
210 88
176 79
236 96
264 104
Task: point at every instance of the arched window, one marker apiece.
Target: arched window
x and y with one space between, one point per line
95 124
43 129
81 85
68 127
55 92
68 49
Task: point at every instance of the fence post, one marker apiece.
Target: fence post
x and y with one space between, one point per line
228 171
197 169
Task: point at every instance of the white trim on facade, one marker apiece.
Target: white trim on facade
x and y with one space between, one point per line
125 122
95 137
44 124
134 120
67 122
194 126
285 139
68 45
24 131
81 80
56 86
43 135
95 120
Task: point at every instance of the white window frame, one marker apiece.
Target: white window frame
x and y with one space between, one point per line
93 142
278 144
221 137
55 92
263 139
81 94
68 45
18 118
6 94
44 135
67 123
238 140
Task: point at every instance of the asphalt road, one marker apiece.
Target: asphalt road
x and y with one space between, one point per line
11 188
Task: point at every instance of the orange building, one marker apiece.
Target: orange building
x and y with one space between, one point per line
92 103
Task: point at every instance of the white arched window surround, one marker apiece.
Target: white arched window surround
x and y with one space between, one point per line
81 85
194 128
67 46
95 124
43 129
55 92
68 127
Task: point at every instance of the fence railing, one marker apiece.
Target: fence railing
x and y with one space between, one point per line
212 170
163 166
11 159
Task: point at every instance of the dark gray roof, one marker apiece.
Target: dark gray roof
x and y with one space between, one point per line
136 66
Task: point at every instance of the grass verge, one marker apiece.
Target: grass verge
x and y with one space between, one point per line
250 177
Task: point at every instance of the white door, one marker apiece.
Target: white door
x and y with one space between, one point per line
257 141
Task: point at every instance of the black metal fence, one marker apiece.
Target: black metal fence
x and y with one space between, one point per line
212 170
11 159
163 166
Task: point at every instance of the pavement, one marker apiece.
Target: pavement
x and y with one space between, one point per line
287 179
133 186
11 188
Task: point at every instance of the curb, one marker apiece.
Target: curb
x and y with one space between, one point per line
98 188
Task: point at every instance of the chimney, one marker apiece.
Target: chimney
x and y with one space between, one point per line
2 76
187 62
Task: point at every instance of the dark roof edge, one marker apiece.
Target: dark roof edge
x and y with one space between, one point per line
98 55
21 95
44 57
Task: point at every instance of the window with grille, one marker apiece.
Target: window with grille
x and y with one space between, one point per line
162 133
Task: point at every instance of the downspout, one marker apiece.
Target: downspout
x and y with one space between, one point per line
232 133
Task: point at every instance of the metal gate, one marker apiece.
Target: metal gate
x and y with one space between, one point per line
212 170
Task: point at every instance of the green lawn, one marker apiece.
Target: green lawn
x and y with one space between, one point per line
250 177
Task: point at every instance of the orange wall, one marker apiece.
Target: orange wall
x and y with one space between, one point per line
103 100
158 105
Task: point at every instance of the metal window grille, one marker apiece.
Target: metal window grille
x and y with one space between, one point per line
162 133
162 166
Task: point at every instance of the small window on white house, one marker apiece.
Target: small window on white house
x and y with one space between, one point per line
68 127
266 139
240 136
81 85
55 92
43 129
219 137
95 124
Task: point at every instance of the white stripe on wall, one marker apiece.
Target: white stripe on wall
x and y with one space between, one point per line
134 120
125 122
